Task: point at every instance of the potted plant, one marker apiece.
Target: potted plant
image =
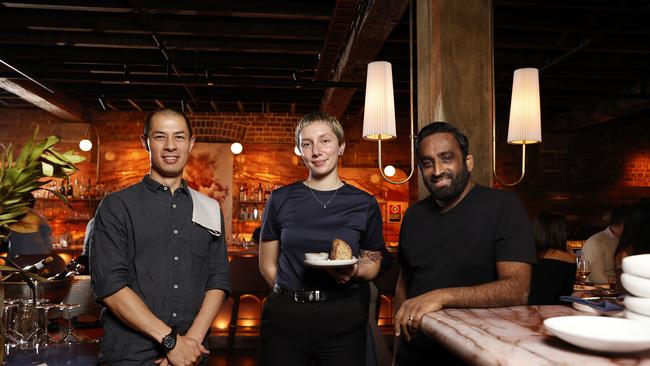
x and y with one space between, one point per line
34 167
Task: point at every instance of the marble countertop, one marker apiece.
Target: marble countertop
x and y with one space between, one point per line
514 336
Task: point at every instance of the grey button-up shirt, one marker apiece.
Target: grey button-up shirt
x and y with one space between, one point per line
144 238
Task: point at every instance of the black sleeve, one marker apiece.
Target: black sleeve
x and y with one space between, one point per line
373 237
270 229
514 235
110 262
218 267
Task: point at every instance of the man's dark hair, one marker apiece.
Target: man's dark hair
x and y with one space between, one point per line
618 215
147 121
549 231
442 127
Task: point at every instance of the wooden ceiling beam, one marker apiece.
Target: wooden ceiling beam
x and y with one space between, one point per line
140 41
300 10
55 54
343 18
597 112
35 92
121 24
362 48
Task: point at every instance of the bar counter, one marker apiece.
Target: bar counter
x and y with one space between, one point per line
514 336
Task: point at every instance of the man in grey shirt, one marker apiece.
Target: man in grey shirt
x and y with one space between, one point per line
599 248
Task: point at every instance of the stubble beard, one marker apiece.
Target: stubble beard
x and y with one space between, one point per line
449 193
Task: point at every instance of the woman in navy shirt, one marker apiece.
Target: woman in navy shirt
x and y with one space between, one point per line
317 314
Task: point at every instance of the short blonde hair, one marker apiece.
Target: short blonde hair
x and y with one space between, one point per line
325 118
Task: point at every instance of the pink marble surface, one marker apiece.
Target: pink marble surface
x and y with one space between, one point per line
514 336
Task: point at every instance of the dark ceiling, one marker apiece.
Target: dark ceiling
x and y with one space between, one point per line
282 56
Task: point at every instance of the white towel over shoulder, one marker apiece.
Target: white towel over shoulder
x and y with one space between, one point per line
206 212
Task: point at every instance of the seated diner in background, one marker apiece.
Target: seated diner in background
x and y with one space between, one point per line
636 235
555 271
599 248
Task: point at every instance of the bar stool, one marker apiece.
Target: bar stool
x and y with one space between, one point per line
245 278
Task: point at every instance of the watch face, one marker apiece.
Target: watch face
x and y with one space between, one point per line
169 342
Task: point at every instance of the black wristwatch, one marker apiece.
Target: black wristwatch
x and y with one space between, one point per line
169 341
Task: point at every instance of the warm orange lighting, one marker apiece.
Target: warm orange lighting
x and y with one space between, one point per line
636 170
65 256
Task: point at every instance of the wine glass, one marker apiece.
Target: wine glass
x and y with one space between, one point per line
583 270
8 314
43 339
69 338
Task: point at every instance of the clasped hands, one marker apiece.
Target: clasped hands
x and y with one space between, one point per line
409 316
187 352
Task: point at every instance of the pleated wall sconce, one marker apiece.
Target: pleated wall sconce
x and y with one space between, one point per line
525 124
379 108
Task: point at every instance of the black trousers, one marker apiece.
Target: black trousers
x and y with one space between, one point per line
325 333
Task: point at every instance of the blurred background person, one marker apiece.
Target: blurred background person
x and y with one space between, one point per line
599 248
636 235
36 243
555 271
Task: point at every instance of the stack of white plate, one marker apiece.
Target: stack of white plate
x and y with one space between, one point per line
636 280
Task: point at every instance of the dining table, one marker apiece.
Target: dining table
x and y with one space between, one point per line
515 336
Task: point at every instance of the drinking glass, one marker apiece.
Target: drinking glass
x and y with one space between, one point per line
69 338
583 270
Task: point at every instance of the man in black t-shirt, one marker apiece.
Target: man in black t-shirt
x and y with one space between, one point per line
464 246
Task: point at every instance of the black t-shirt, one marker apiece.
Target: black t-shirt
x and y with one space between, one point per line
461 247
551 279
301 224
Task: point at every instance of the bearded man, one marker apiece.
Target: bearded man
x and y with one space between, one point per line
464 246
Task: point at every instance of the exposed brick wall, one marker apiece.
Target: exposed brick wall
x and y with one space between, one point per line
247 128
582 174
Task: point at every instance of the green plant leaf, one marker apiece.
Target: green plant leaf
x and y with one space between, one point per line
21 161
48 169
13 215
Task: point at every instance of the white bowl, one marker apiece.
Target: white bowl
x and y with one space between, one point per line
600 333
638 265
316 256
639 305
629 314
635 285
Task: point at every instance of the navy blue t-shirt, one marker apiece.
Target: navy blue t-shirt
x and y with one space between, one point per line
298 220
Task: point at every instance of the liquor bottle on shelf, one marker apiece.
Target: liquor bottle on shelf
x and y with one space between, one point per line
89 190
267 192
260 192
38 266
64 187
243 191
69 191
76 193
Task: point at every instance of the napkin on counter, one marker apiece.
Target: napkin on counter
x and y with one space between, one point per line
206 212
601 305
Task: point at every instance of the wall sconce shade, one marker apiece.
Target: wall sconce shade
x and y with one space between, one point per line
379 110
525 126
